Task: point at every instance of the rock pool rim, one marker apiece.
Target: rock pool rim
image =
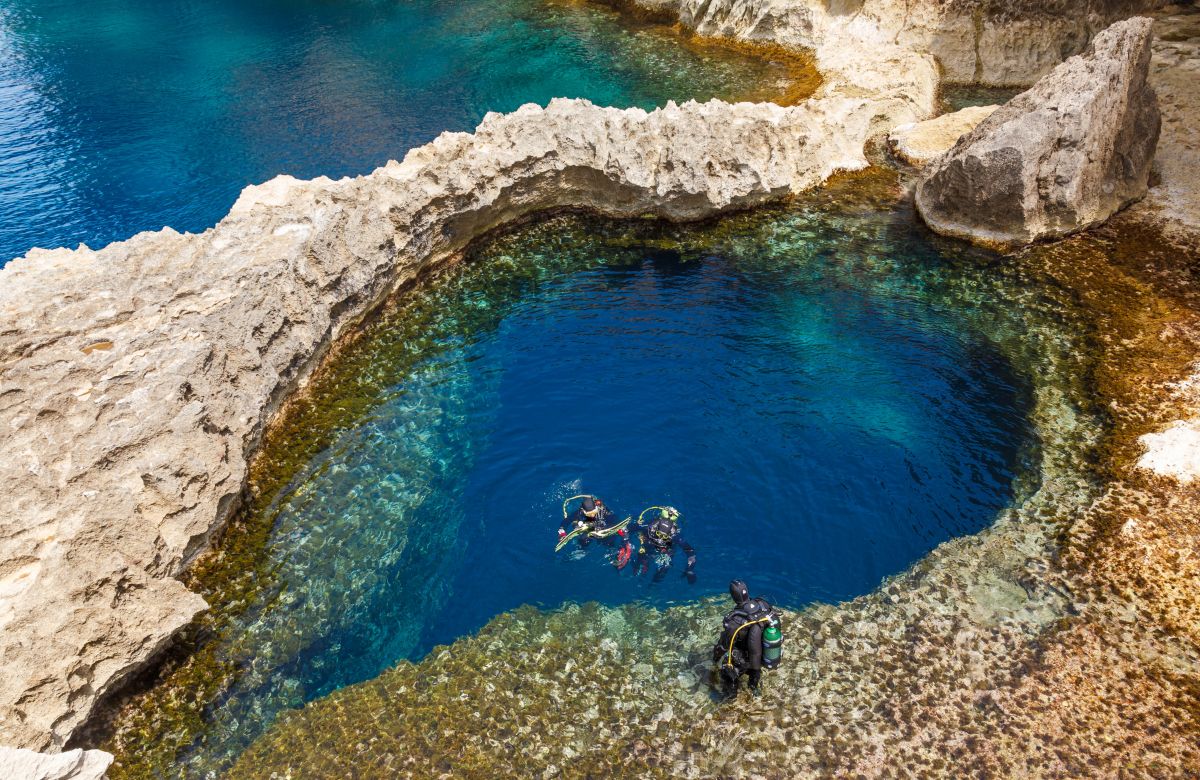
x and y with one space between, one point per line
874 188
834 126
1086 591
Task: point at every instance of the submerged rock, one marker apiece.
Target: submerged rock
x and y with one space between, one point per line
1059 158
919 143
71 765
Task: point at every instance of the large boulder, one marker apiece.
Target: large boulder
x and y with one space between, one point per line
1059 158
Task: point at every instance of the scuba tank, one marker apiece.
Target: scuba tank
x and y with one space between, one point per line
772 642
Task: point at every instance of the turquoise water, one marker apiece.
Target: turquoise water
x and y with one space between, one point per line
814 391
118 116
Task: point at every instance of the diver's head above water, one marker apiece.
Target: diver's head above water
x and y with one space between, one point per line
739 592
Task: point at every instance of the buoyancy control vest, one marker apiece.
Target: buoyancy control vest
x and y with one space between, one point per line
662 532
734 634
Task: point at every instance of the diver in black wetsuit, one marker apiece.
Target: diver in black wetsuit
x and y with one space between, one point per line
658 540
596 516
740 649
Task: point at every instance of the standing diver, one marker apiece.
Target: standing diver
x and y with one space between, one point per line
751 638
593 519
659 540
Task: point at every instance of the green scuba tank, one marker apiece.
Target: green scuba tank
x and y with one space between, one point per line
772 642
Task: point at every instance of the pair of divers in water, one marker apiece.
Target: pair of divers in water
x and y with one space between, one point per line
751 633
660 539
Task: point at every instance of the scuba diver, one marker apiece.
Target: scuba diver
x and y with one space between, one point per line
751 640
594 520
659 541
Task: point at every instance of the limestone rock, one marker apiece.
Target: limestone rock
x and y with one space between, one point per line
919 143
1174 452
999 42
1173 203
1059 158
16 764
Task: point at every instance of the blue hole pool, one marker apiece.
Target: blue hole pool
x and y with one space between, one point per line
816 393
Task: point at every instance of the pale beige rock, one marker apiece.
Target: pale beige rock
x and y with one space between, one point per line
1174 452
1062 157
919 143
1000 42
135 380
1173 203
16 764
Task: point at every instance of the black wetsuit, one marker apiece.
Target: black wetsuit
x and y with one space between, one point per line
652 546
603 519
743 629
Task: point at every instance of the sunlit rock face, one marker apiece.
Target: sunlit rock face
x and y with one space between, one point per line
1059 158
1174 201
920 143
999 42
71 765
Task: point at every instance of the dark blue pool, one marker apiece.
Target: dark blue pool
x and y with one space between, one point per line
817 397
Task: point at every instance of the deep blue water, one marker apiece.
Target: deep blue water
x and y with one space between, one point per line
118 116
817 397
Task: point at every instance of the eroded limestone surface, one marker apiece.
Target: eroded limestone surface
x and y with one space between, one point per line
1059 158
997 42
1173 202
70 765
919 143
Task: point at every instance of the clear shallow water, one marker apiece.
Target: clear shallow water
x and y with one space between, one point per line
956 97
816 396
118 116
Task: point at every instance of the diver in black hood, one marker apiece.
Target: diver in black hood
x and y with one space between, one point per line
751 638
659 540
